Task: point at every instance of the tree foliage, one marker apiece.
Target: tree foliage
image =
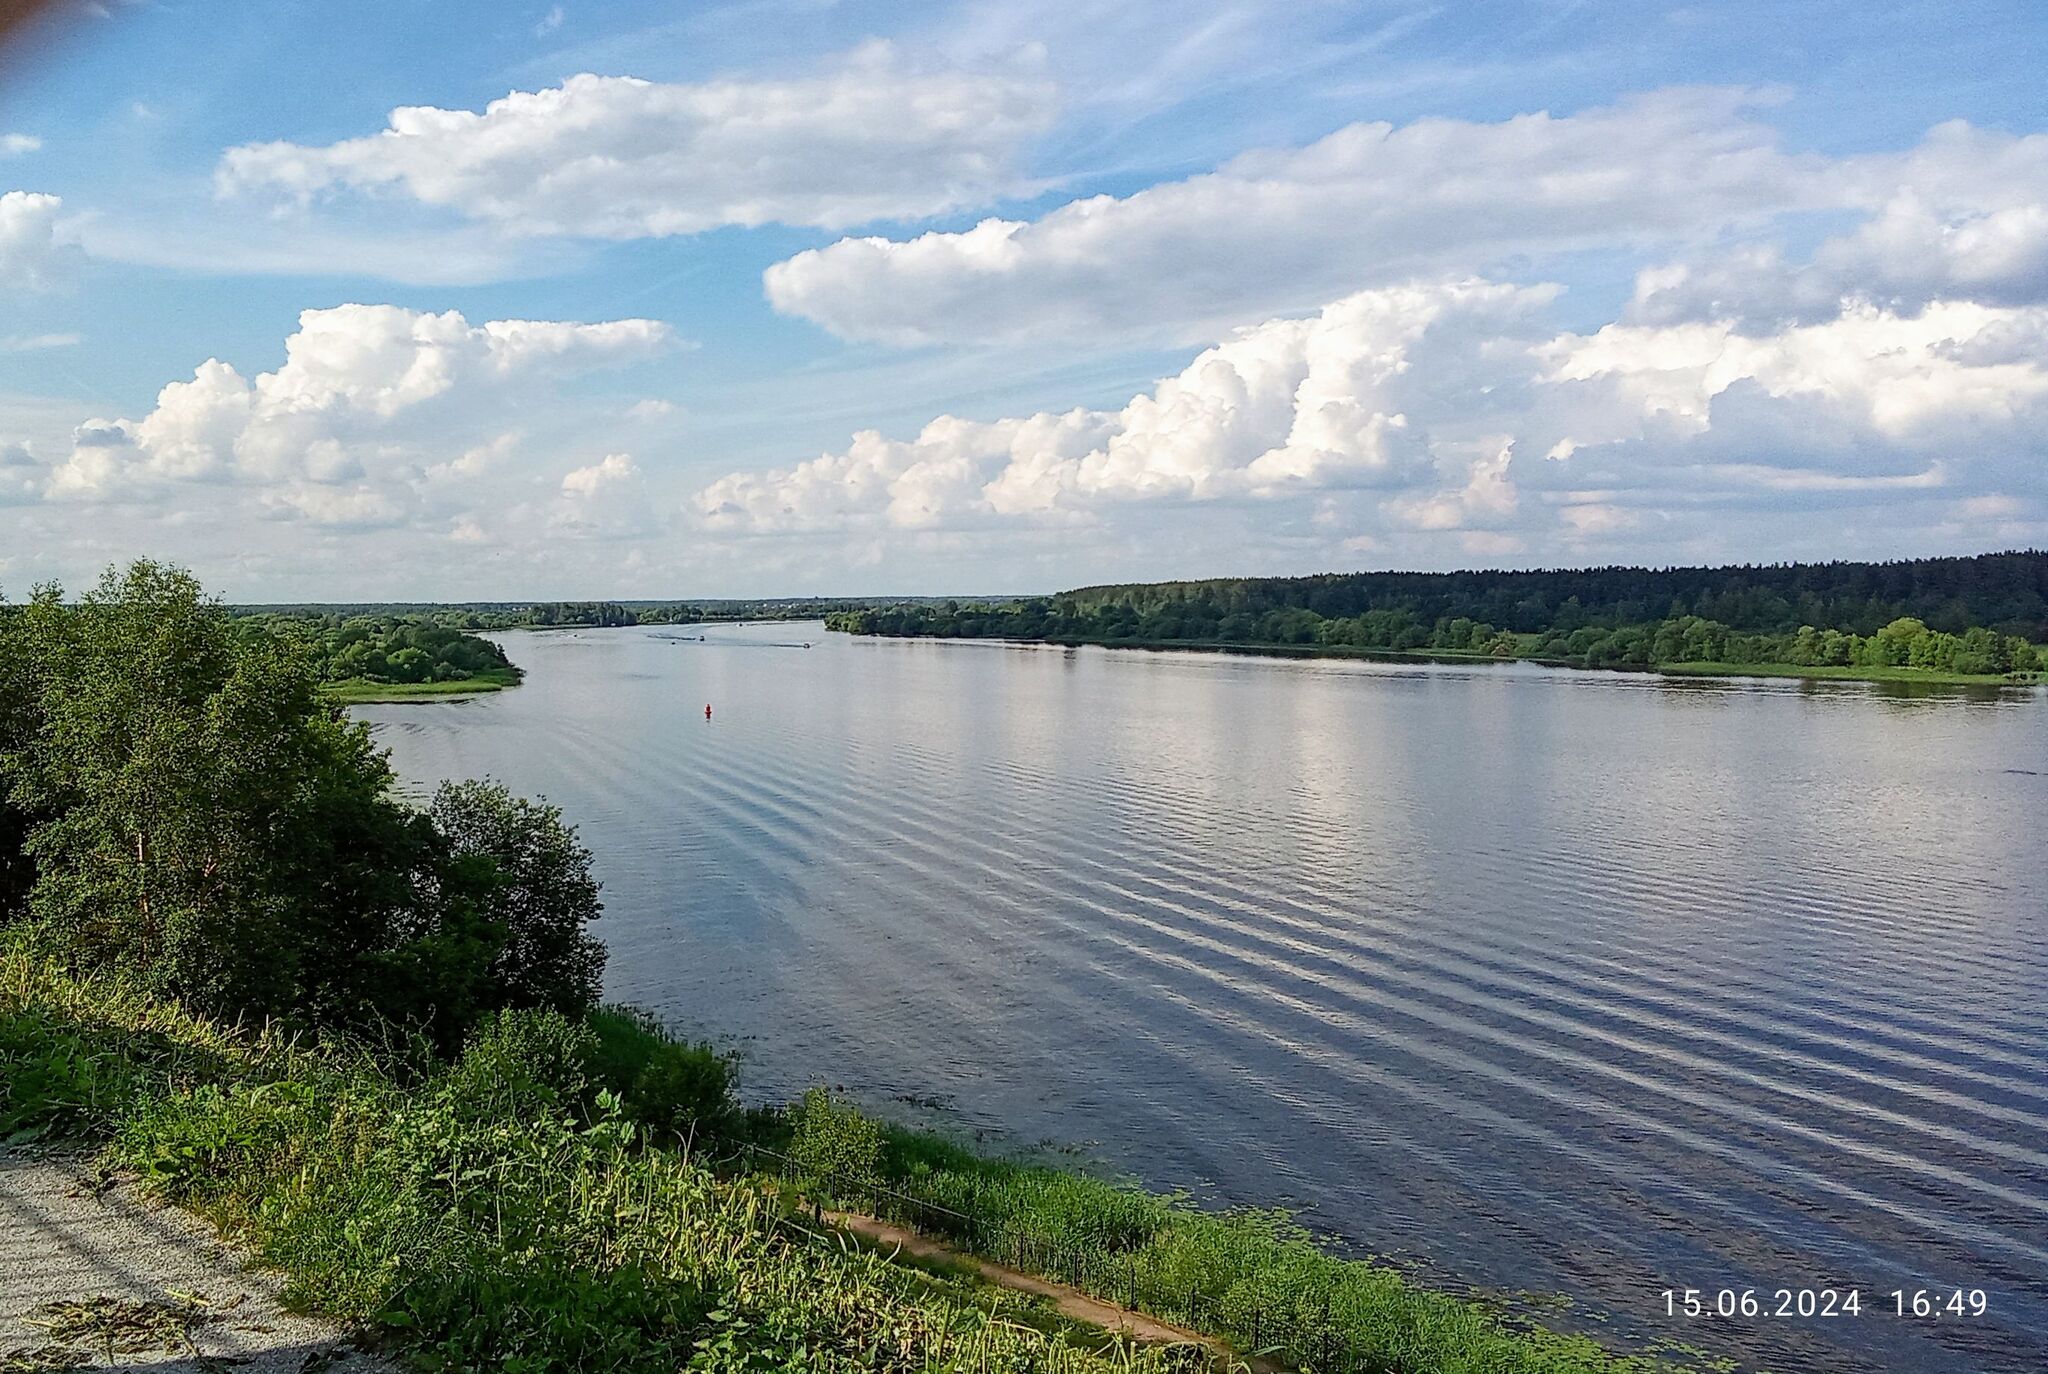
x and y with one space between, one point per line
181 803
1954 615
389 649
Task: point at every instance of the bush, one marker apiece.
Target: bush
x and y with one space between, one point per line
672 1087
180 803
835 1148
530 1065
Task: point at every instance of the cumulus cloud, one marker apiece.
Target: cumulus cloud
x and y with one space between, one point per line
1448 408
1284 230
618 157
355 427
32 254
16 145
1963 213
613 471
21 476
1332 402
607 500
1962 216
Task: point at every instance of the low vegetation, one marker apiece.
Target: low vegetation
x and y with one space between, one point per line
498 1209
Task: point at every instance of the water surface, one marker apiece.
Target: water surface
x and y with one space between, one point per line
1590 983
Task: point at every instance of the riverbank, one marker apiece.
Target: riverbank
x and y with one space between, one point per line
361 691
1929 676
1932 677
509 1205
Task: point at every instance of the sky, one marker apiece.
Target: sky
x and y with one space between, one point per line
447 300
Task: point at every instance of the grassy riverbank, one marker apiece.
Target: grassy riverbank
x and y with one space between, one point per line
1928 676
358 691
513 1206
1933 677
501 1210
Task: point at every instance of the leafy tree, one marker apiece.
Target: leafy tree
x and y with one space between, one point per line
180 801
516 862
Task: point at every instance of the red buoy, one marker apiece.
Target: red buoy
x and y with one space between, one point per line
707 711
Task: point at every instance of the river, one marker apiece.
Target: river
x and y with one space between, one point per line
1587 983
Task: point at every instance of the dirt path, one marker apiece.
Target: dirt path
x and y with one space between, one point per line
1071 1303
96 1277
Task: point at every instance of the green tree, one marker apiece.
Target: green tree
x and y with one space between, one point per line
191 809
518 866
201 815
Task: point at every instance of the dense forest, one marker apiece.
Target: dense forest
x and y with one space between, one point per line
1972 616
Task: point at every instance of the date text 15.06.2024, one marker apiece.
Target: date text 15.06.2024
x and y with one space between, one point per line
1924 1304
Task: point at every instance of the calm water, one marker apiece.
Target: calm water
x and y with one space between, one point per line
1565 982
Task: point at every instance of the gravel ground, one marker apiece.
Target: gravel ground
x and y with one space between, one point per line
96 1277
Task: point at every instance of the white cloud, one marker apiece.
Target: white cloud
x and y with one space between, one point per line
353 428
16 145
549 22
21 476
1446 410
1964 213
35 343
652 408
614 470
1962 216
1279 231
618 157
32 254
1333 402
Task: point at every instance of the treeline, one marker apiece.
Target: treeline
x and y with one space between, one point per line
179 802
401 650
616 613
2006 592
508 615
1615 625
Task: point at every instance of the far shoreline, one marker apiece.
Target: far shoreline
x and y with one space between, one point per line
1930 677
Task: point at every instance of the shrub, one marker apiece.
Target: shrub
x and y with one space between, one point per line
672 1087
529 1065
834 1147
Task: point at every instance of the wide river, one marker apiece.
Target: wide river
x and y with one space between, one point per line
1594 984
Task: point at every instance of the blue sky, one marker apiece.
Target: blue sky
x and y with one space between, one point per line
1255 288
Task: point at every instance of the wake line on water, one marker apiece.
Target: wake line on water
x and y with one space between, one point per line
732 643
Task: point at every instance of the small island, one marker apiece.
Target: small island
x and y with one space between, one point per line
363 658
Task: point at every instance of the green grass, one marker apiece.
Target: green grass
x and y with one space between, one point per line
358 690
495 1212
547 1200
1931 676
1253 1277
